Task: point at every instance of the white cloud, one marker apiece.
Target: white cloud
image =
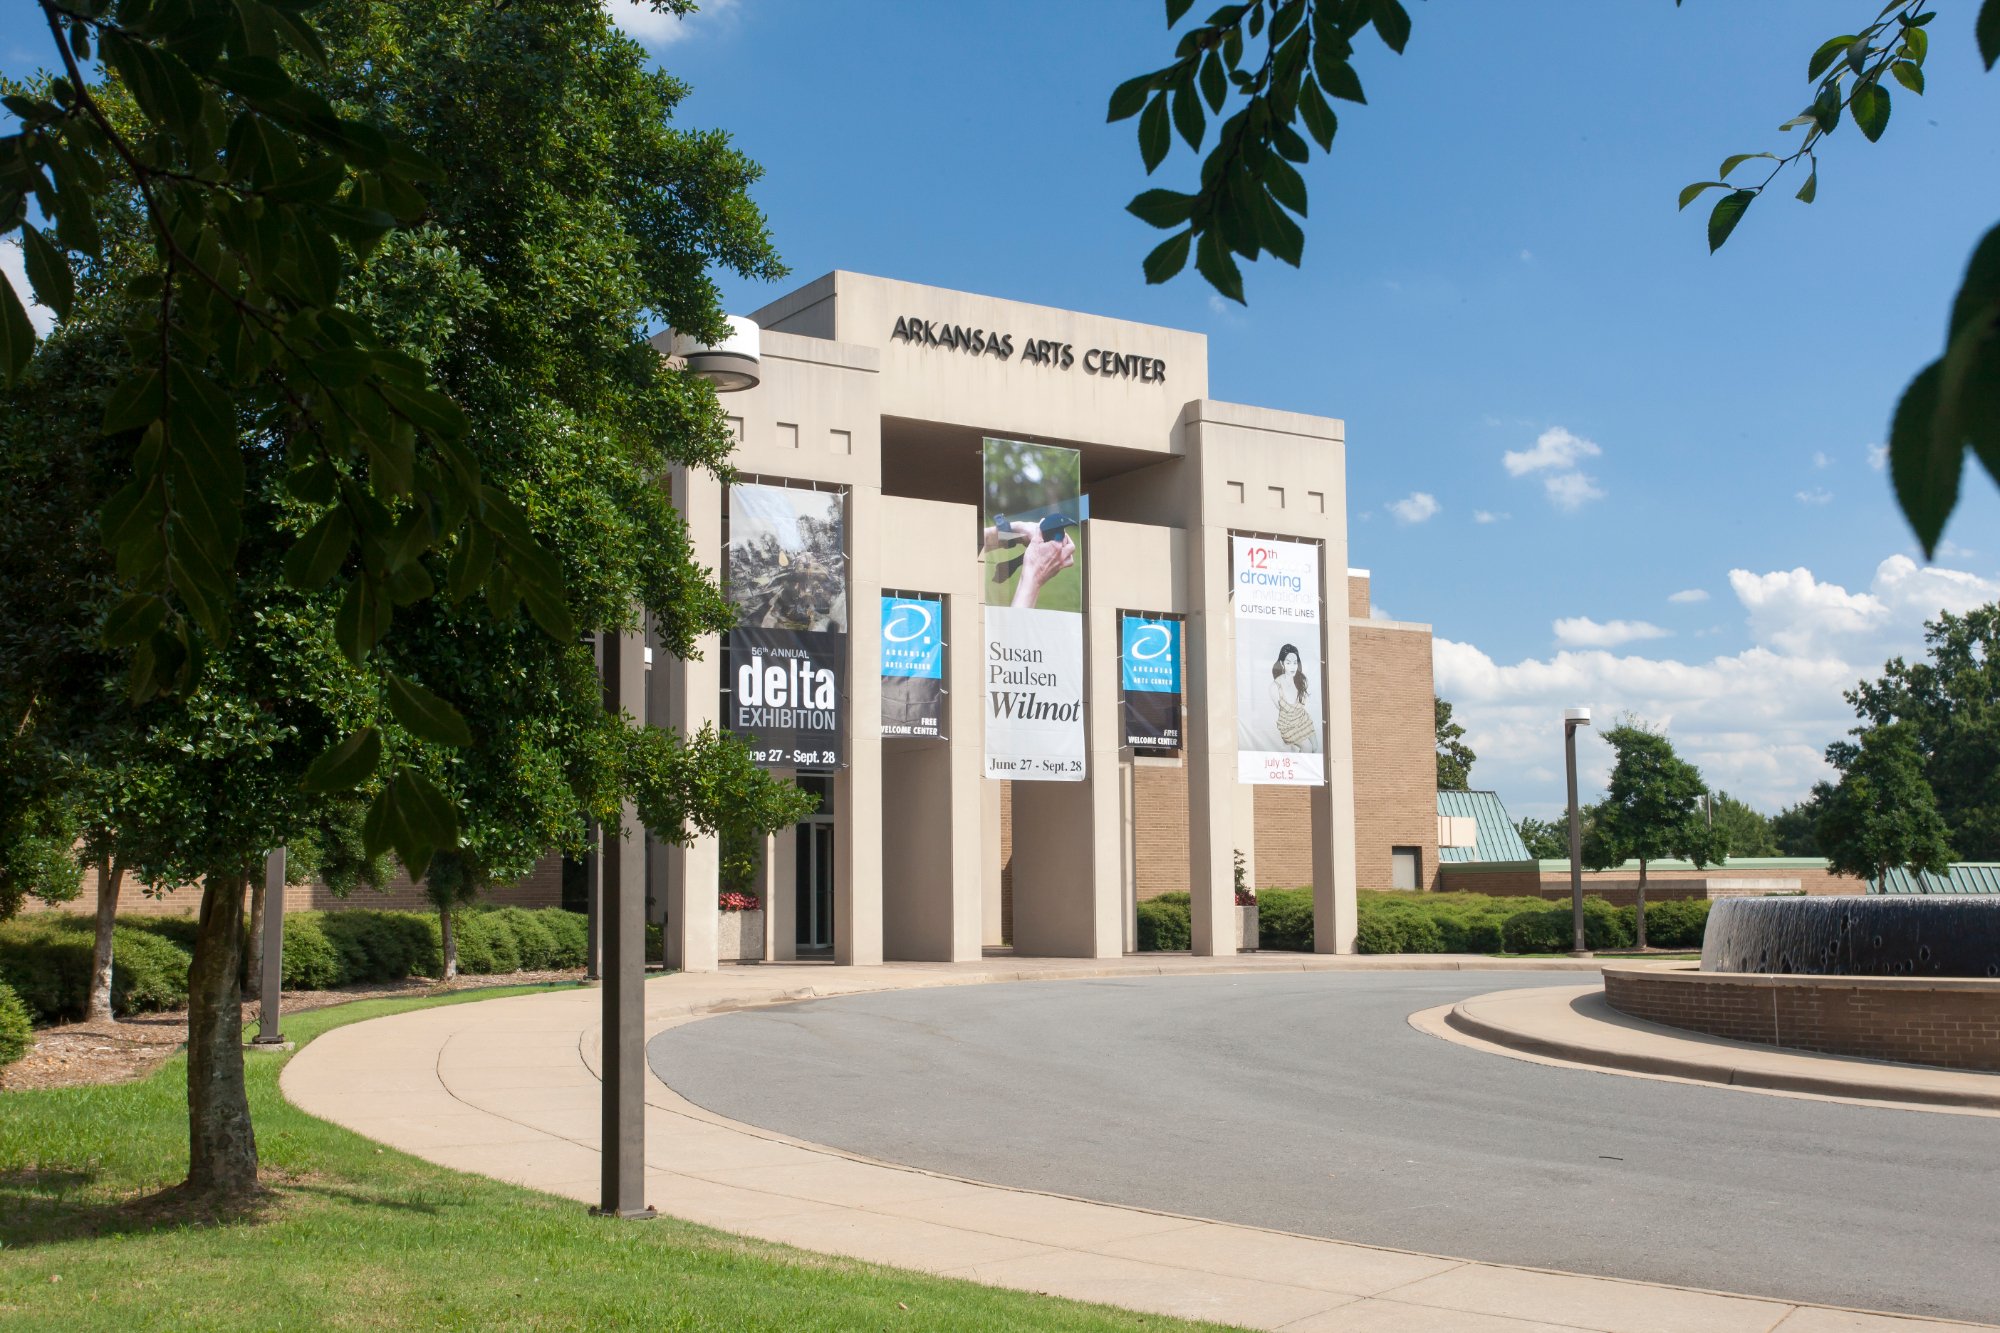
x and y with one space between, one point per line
1556 453
1755 722
649 27
1583 632
1571 490
1527 256
1818 495
1555 448
1951 550
1878 456
16 270
1821 460
1689 595
1416 507
1488 516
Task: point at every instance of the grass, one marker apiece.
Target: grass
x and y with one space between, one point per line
355 1236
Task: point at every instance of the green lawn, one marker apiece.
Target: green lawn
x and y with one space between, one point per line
356 1236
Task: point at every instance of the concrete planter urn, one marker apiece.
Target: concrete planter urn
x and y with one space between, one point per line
740 935
1246 927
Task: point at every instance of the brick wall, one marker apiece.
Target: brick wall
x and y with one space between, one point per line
541 888
1357 595
1622 886
1395 750
1159 828
1945 1021
1284 837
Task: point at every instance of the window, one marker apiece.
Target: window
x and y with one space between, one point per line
1405 867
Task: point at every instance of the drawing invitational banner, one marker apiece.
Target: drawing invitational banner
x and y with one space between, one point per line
1279 713
913 667
785 688
1150 669
1031 540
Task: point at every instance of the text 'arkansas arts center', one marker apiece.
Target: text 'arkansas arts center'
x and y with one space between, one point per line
1034 351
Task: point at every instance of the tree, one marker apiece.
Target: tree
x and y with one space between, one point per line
1881 814
1745 832
1250 187
1952 703
1547 839
1652 810
1795 829
382 540
1455 757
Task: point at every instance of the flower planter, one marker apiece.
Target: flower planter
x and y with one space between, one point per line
1246 928
740 935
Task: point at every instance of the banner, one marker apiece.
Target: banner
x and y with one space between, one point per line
785 687
913 667
1280 716
1150 669
1031 540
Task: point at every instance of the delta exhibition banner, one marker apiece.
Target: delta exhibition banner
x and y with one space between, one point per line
1279 713
1031 540
913 667
786 575
1150 669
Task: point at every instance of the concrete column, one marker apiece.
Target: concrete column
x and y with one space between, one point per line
271 983
1334 920
1105 776
1210 681
658 713
992 916
693 699
857 799
783 904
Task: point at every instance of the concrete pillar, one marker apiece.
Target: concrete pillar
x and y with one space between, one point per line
783 904
857 789
992 884
693 699
1210 680
1334 919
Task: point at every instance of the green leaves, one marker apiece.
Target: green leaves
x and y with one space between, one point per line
1987 30
17 335
48 271
346 765
1924 469
413 818
1869 106
425 715
1251 195
1728 211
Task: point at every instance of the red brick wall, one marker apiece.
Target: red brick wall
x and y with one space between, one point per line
1622 886
1284 837
1395 752
1948 1022
1159 829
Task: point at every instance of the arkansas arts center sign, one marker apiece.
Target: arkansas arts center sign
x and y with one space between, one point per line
1034 351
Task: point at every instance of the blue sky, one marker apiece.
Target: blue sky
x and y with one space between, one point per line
1493 265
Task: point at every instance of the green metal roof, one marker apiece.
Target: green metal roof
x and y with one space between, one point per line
1965 877
1498 839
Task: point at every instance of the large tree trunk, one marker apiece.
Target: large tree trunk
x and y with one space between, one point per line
253 963
110 876
222 1147
448 938
1639 908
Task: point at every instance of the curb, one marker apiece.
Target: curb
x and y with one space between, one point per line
1712 1071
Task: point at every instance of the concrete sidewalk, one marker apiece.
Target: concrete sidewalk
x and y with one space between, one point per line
1573 1025
507 1088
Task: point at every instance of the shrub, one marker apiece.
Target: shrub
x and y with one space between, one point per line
149 971
486 944
1285 919
1551 928
533 944
1163 924
571 933
309 961
1392 927
1671 923
45 960
16 1029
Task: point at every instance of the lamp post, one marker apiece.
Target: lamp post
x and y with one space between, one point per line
1572 719
621 912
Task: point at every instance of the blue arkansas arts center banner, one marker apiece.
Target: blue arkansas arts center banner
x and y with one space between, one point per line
1149 658
913 667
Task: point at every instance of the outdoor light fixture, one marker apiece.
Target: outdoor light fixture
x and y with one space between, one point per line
730 365
1572 719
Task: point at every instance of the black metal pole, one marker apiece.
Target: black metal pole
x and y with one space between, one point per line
622 939
272 980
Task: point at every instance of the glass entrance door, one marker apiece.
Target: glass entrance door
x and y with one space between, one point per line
815 885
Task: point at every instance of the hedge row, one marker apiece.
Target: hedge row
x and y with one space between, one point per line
45 958
1443 923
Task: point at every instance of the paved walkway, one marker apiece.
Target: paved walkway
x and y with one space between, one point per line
507 1088
1573 1025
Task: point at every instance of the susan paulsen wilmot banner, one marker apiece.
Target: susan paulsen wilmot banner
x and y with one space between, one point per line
1031 539
1280 716
785 690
